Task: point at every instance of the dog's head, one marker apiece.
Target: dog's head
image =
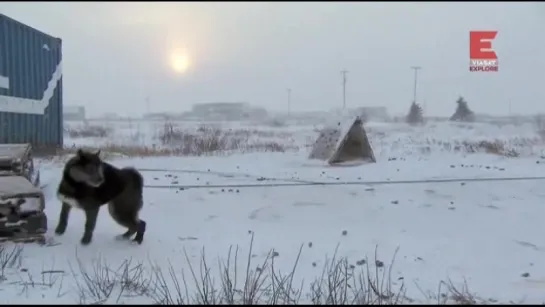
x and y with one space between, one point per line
87 168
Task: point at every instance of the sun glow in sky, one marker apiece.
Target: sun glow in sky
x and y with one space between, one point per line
179 62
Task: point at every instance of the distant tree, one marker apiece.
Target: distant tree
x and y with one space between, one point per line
416 114
540 125
539 121
462 113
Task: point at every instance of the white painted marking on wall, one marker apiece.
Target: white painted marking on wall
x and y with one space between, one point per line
11 104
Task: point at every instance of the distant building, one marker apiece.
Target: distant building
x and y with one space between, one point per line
110 116
158 116
374 113
73 113
226 111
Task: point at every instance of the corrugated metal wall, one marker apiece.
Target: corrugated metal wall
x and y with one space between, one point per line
30 85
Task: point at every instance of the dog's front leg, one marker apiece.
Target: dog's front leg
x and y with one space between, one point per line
63 219
90 223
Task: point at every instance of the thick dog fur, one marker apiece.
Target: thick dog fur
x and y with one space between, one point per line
88 183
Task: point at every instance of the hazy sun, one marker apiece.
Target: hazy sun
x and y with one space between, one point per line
179 62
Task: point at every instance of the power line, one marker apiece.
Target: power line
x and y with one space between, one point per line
222 174
147 104
335 183
344 72
289 101
416 68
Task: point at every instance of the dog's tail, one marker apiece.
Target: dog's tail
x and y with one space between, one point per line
135 177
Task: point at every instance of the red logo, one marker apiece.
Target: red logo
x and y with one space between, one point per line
481 55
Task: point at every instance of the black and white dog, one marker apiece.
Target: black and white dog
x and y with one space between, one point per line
88 183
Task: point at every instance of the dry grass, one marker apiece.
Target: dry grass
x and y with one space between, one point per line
232 282
175 141
494 147
89 131
207 139
511 148
204 140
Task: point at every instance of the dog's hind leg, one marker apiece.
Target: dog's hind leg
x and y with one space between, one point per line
90 223
126 235
63 219
137 227
130 221
140 232
132 229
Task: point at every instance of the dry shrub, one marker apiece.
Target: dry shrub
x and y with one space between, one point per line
257 133
89 131
109 151
232 282
175 141
495 147
510 148
205 139
208 140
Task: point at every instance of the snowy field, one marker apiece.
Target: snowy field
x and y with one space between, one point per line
257 226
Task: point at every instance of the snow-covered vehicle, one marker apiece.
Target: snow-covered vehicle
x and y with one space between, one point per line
22 204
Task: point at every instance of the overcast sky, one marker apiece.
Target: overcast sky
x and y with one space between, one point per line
117 54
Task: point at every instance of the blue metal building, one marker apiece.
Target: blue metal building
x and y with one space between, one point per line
30 86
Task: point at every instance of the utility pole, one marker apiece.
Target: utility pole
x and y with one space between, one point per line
344 72
147 105
415 68
289 102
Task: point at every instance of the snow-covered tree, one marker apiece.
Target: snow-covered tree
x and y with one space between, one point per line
462 113
416 114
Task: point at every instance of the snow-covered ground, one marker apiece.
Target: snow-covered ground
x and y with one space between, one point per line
486 236
387 139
